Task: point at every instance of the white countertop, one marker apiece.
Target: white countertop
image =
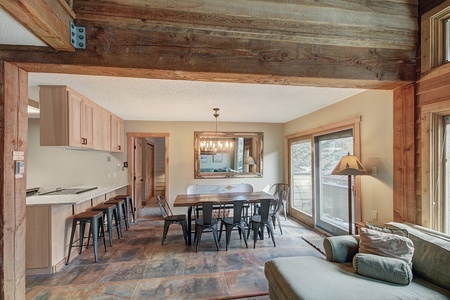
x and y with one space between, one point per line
71 199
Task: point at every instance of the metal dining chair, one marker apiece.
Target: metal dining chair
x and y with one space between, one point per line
210 215
170 218
274 190
237 220
258 222
275 209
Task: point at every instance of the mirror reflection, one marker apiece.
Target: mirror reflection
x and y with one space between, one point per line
228 154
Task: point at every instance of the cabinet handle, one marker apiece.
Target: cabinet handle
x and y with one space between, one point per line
84 141
119 147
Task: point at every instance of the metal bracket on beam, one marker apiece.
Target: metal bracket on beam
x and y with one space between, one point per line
78 36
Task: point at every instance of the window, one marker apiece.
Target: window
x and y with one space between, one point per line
318 198
435 128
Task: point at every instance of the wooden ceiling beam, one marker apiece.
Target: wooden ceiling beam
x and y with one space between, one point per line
48 20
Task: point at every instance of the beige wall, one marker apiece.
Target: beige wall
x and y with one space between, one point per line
376 111
53 167
181 152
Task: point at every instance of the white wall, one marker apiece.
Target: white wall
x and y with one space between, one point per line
52 167
181 152
376 111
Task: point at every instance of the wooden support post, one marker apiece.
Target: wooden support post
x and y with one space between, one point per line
13 142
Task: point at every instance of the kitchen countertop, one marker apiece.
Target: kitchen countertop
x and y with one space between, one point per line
72 199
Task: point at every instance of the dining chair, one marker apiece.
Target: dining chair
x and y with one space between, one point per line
170 218
209 218
237 220
274 211
274 190
261 220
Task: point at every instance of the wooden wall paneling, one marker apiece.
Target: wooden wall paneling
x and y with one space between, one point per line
38 238
404 154
13 137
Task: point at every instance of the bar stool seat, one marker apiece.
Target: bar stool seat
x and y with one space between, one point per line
129 200
122 211
95 220
110 212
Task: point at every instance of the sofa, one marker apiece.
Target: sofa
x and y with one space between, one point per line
334 277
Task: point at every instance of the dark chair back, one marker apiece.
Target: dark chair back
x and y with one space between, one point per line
210 210
238 212
164 206
279 197
275 188
264 209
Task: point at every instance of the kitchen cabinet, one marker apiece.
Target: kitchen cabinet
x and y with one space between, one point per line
102 129
68 118
117 134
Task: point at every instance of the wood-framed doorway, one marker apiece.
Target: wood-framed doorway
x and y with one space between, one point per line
131 136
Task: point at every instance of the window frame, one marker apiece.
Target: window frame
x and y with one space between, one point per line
431 209
352 123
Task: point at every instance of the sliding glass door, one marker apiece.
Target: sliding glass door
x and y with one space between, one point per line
300 168
331 191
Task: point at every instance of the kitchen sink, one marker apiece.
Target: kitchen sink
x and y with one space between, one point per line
71 191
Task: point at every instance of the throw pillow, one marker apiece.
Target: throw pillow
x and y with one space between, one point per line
383 268
386 244
388 229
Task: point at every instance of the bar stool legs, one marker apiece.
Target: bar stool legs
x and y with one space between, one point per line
95 219
122 211
130 206
110 211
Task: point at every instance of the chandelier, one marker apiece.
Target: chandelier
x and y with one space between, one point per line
214 144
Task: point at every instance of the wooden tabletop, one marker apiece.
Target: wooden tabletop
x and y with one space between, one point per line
190 200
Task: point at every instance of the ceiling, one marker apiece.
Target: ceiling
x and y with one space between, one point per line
179 100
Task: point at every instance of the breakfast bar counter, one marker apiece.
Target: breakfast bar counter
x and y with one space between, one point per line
51 199
49 224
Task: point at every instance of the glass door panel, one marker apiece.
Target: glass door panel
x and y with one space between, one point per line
332 191
300 168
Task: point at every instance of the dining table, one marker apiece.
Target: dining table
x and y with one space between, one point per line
185 200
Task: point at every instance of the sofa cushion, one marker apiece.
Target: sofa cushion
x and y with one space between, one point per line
341 248
386 244
388 229
431 259
307 277
383 268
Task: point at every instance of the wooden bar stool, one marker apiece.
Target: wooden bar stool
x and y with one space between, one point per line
129 200
110 212
95 219
122 211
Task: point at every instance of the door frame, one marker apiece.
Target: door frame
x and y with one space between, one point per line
130 157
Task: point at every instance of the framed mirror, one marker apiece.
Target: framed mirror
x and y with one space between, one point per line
228 154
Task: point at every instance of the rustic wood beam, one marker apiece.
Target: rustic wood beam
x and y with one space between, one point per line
48 20
232 59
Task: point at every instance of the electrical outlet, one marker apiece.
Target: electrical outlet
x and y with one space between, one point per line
374 171
114 175
109 175
374 215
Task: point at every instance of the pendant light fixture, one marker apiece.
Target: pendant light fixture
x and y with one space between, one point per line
214 144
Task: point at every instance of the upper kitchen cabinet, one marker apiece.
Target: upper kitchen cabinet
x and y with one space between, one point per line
67 118
70 119
102 129
117 134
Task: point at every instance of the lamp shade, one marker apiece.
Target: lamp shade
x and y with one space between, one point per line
349 165
249 161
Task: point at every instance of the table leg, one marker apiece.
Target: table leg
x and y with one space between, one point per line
189 212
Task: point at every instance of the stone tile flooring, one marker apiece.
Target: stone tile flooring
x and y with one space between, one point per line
139 267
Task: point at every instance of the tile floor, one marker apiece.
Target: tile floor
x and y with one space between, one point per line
139 267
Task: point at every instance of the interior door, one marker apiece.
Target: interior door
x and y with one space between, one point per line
137 176
149 171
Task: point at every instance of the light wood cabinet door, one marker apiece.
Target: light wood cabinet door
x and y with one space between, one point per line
117 134
102 128
81 120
